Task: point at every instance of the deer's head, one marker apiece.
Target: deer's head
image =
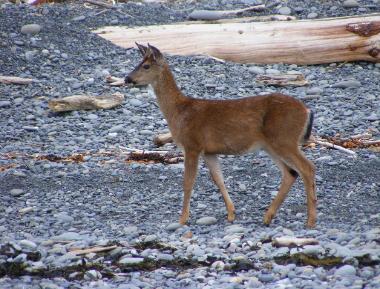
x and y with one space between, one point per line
149 69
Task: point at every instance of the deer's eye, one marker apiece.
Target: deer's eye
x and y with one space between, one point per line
146 66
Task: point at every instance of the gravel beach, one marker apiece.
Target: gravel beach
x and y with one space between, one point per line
51 209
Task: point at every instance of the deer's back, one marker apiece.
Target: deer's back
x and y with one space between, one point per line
239 125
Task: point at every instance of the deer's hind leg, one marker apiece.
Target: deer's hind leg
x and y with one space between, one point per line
213 165
293 162
288 178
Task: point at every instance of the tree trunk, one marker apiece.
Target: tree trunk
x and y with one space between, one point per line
299 42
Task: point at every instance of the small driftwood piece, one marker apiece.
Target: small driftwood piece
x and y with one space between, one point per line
282 79
15 80
161 139
293 242
97 249
115 81
219 14
334 146
164 157
85 102
100 3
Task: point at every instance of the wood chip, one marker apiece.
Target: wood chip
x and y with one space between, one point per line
97 249
85 102
282 79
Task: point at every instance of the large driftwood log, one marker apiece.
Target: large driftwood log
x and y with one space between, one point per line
79 102
299 42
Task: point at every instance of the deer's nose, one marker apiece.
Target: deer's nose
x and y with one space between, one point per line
128 80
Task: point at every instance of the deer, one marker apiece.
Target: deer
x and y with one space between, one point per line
205 128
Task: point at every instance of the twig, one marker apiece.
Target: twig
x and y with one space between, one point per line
99 3
15 80
334 146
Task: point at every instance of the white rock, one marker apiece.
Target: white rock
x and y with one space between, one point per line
346 270
350 4
207 221
131 260
28 244
30 29
218 265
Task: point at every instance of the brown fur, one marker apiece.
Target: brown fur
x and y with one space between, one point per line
275 122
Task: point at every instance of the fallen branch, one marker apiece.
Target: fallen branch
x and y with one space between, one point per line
100 3
218 14
293 242
115 81
92 250
15 80
282 79
334 146
154 157
85 102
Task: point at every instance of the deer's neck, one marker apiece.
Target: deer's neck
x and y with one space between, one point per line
168 95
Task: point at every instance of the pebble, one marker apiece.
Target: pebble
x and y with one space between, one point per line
256 70
207 221
272 71
92 275
265 277
350 4
28 244
173 226
347 84
284 10
135 102
346 270
312 15
5 103
69 236
165 257
79 18
16 192
131 260
31 29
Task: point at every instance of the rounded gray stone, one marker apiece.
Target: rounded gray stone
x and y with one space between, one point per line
285 10
16 192
173 226
30 29
5 103
350 4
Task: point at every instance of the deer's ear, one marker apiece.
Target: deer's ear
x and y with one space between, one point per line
157 55
143 49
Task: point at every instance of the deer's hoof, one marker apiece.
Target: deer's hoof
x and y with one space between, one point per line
231 217
268 218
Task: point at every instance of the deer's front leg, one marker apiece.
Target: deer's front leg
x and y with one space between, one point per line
191 168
